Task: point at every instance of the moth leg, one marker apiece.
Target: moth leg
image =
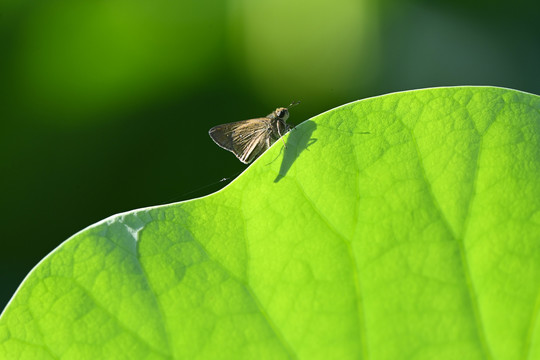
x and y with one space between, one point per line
281 135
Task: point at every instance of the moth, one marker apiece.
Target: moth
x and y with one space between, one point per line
247 139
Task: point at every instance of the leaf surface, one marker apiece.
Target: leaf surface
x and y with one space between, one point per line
401 226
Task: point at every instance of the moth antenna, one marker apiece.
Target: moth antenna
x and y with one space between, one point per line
293 104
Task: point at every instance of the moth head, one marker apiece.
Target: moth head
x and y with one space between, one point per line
282 114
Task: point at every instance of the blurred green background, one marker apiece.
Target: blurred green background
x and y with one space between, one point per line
105 105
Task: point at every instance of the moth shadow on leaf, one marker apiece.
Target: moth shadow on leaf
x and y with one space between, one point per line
299 139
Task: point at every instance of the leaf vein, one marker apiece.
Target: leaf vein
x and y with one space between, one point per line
277 333
464 262
354 265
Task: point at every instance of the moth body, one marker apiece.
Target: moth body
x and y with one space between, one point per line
247 139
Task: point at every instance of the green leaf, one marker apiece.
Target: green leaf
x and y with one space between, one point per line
405 226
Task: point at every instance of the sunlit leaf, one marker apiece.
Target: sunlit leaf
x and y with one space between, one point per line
405 226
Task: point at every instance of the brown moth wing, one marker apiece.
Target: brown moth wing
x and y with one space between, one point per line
255 147
245 139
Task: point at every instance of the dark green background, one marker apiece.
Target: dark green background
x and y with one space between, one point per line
105 105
